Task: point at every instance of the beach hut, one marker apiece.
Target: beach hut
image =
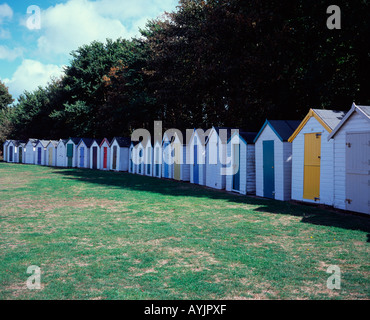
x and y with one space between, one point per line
148 156
71 152
119 153
51 153
30 151
352 160
5 146
131 156
197 156
20 151
157 159
95 154
274 159
40 155
83 152
10 151
167 160
105 154
312 157
216 148
61 153
241 177
181 159
139 158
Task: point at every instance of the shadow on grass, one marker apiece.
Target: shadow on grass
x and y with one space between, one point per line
309 213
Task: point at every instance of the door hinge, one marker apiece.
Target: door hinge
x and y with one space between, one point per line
349 201
318 135
316 199
348 145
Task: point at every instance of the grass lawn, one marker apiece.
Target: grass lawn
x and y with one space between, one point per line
106 235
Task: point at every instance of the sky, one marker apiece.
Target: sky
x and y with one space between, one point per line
37 36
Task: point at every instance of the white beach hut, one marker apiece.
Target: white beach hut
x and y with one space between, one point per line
148 157
11 153
197 156
30 151
313 158
119 153
216 160
95 154
5 146
139 158
61 153
352 160
83 152
181 167
40 152
20 150
241 177
167 159
157 159
105 154
274 159
51 153
71 152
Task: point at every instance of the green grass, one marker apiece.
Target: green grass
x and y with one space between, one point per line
106 235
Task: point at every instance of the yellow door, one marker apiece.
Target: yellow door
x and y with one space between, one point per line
50 156
177 164
311 178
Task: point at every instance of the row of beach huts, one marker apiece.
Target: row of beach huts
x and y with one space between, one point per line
324 159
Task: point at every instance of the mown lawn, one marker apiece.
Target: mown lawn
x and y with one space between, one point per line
105 235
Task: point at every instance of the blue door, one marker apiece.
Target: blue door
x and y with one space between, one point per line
39 150
82 157
166 166
196 166
236 167
157 162
11 154
268 169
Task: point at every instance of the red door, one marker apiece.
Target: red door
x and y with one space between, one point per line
105 158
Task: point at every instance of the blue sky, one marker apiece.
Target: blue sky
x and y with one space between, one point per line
29 57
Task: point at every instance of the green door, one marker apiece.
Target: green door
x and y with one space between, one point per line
268 169
236 167
20 155
69 154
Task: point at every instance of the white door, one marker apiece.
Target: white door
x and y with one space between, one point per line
358 172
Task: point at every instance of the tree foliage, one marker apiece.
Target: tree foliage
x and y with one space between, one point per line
226 63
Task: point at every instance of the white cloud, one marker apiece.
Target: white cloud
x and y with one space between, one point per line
31 74
67 26
10 54
5 12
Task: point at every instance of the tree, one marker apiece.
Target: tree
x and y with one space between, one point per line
5 96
